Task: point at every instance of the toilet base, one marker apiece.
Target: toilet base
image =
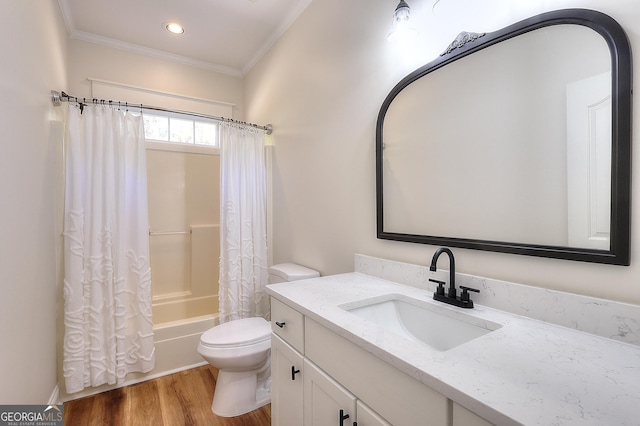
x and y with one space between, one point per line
240 392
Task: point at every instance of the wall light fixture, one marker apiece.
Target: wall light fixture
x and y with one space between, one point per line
401 26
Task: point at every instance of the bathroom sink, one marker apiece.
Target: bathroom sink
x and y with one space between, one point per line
438 327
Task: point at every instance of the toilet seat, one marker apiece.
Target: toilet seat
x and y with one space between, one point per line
237 333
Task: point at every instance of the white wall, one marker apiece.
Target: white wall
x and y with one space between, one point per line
322 86
89 60
34 62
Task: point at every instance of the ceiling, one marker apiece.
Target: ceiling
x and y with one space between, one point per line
227 36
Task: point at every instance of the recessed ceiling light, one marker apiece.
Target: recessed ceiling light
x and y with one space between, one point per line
174 28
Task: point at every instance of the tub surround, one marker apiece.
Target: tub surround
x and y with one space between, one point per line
548 364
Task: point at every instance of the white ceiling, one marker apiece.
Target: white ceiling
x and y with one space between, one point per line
228 36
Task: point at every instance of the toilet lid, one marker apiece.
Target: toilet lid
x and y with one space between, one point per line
240 332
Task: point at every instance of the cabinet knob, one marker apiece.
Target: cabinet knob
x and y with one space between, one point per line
280 324
294 372
343 417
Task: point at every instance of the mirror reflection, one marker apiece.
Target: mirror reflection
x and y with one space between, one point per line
491 146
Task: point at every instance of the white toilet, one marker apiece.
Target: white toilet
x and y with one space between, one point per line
241 351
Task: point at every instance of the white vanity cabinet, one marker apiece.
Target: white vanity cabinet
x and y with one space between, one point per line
301 393
326 402
326 380
393 395
287 368
288 324
287 373
368 417
464 417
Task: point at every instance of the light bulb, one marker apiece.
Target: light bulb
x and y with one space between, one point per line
401 28
174 28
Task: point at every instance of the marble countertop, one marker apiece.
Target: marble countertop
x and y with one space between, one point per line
526 372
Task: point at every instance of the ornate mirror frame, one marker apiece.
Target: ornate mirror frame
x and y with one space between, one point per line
621 75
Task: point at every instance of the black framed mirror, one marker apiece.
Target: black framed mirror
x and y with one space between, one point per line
516 141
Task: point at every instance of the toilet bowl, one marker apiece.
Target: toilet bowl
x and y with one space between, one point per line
241 351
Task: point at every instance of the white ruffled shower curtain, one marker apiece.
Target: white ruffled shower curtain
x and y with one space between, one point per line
107 283
243 225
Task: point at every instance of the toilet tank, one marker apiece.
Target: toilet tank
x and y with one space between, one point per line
285 272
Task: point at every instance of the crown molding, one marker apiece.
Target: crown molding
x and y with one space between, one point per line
66 16
159 54
134 48
141 50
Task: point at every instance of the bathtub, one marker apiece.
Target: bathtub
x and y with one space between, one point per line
176 345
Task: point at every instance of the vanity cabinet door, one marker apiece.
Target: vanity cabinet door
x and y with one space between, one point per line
286 384
326 403
367 417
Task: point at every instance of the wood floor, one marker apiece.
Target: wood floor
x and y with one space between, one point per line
181 399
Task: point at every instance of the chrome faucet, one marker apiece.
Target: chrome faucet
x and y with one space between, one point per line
451 297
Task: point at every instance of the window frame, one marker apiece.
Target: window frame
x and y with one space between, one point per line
177 146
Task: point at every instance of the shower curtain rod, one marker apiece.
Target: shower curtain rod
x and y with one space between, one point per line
58 97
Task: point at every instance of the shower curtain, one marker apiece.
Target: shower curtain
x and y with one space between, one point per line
107 282
243 236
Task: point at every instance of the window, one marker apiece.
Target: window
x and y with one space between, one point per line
160 126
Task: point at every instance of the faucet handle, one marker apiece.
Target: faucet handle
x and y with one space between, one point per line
465 293
440 289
